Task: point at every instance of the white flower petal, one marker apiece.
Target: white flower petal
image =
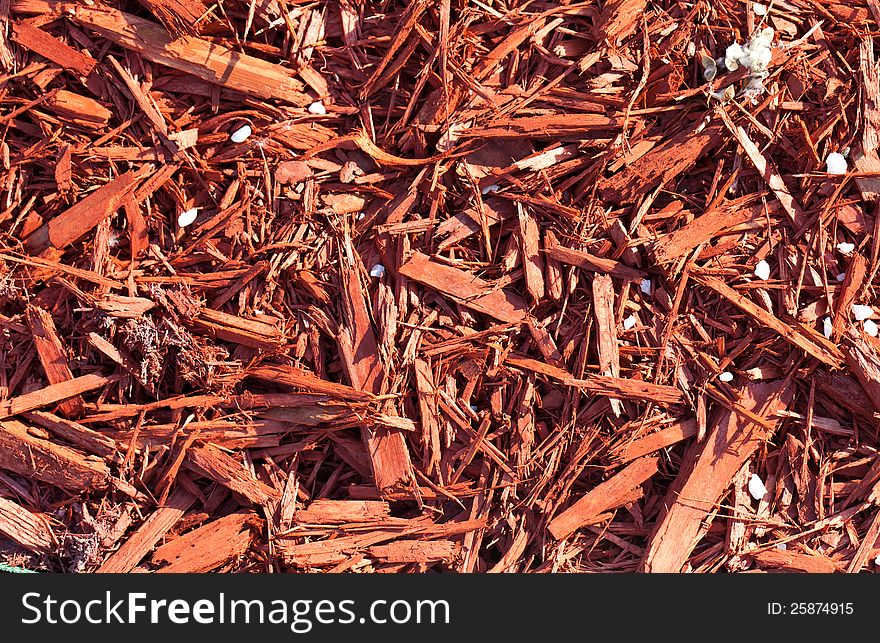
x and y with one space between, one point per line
241 134
756 487
862 312
762 270
186 218
836 163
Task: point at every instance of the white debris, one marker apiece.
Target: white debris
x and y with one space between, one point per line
726 376
317 108
377 271
761 58
841 276
756 487
877 560
630 322
870 327
186 218
710 68
845 248
862 312
827 327
755 55
646 286
241 134
754 88
724 96
474 408
781 546
759 9
836 163
490 188
732 56
764 38
762 270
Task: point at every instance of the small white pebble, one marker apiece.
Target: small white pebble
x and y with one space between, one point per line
862 312
490 188
756 487
186 218
474 408
841 276
836 163
726 376
317 108
827 327
241 134
759 9
361 216
629 322
870 327
877 560
377 271
646 286
762 270
845 248
781 546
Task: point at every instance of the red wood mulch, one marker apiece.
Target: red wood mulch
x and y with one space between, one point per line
439 286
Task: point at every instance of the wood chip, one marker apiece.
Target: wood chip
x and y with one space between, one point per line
50 47
38 458
208 547
610 494
142 541
216 465
465 289
25 528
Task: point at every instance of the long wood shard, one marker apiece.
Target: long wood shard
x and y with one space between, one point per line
732 443
608 495
208 61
